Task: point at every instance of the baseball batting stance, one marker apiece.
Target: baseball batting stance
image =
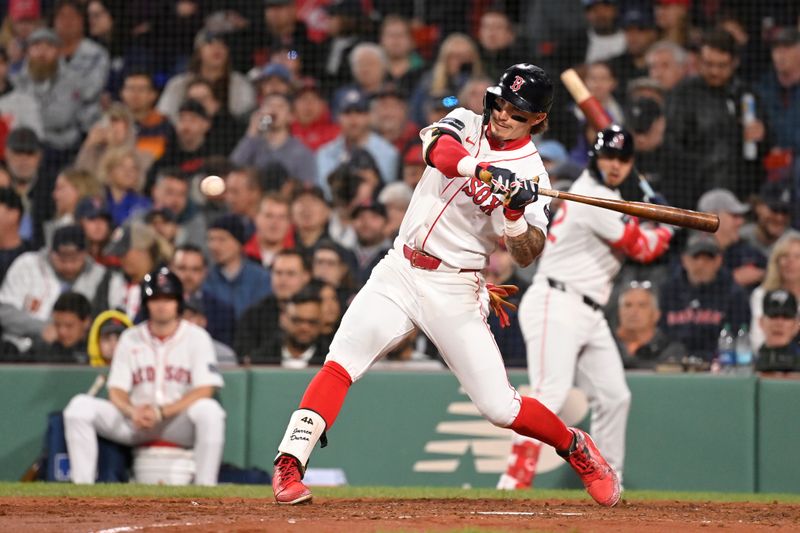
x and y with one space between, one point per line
160 386
481 182
566 334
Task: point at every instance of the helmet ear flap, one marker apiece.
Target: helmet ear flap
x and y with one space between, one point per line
488 101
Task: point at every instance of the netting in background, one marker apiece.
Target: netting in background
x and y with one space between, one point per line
310 112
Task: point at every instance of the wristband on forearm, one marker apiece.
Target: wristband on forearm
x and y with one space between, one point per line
515 227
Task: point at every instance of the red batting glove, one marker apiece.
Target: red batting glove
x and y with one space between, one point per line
497 295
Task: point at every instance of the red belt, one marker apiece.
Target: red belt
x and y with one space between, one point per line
420 259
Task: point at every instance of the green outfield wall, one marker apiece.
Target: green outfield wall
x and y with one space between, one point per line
686 432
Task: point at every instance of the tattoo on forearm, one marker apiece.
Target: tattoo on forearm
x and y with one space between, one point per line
526 247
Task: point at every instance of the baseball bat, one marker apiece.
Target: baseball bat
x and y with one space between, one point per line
675 216
596 115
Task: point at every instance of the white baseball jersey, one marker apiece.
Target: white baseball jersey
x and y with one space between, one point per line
160 372
458 219
578 252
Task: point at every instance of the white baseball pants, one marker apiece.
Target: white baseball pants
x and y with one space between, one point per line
201 427
570 343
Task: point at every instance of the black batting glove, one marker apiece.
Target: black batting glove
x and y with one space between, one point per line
523 192
499 179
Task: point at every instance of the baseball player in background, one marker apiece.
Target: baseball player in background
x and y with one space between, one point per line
481 182
567 338
160 387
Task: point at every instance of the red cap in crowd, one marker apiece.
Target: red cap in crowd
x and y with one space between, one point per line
24 9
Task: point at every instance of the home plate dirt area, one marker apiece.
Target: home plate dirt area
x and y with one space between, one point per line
117 515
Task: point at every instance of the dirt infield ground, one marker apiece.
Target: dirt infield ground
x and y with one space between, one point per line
118 515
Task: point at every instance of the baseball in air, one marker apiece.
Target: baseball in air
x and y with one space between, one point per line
212 186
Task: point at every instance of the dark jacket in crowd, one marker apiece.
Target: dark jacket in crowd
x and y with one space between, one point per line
782 359
660 349
272 353
705 124
257 327
694 315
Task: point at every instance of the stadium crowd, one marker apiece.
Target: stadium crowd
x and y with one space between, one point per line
113 112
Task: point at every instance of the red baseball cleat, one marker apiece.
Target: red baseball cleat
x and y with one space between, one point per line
286 482
598 477
521 467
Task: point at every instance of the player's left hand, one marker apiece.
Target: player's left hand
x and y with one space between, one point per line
497 301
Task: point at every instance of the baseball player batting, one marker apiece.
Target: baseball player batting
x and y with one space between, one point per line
566 334
160 386
431 279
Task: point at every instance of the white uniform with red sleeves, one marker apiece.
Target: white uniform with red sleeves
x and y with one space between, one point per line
566 334
457 220
155 372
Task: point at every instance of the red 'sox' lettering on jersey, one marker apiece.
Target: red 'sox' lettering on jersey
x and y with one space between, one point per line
480 192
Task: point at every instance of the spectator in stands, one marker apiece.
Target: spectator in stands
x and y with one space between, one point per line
17 109
345 31
23 19
413 165
404 66
164 222
310 213
115 130
354 120
258 325
780 91
471 94
11 244
121 172
273 78
272 228
672 18
640 34
312 117
781 325
171 191
233 278
194 311
243 194
94 218
104 335
606 40
140 250
224 128
396 197
457 61
83 57
68 107
72 184
369 223
602 83
746 263
335 265
36 279
641 343
701 125
154 131
190 149
771 207
109 27
658 161
368 63
72 316
298 343
269 139
698 300
331 310
500 270
24 159
285 29
211 61
189 264
667 64
783 272
389 117
499 46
